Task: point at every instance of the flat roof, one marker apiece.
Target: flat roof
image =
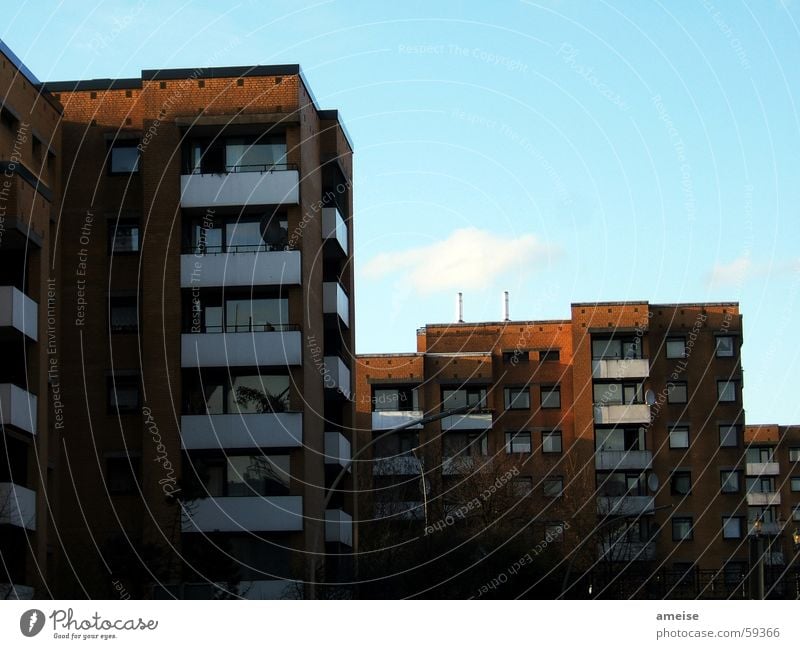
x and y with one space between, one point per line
232 72
30 76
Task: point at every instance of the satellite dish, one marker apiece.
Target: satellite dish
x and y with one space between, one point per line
652 481
650 398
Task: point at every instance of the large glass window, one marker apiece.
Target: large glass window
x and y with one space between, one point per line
465 444
620 439
244 236
617 393
404 398
626 347
256 314
254 154
124 158
463 397
517 398
258 475
253 394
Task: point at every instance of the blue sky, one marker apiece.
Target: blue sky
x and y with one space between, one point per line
563 151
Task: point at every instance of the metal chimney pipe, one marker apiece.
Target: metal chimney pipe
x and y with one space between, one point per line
460 304
505 306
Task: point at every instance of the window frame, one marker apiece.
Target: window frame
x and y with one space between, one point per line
733 383
113 382
119 298
550 355
510 437
555 433
509 399
720 438
124 144
677 384
550 390
113 230
559 480
723 481
796 451
742 527
716 346
680 474
674 339
677 427
794 484
683 519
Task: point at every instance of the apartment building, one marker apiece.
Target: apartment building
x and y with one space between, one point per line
29 373
197 339
625 421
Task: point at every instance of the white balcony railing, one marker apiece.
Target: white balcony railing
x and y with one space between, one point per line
18 408
276 187
625 505
473 421
338 527
400 465
623 460
279 268
763 468
388 419
241 349
337 375
337 450
634 413
334 228
335 301
244 514
766 499
19 312
17 506
632 368
251 430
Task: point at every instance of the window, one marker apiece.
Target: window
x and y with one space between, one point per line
620 439
395 399
732 527
682 528
681 483
760 454
617 393
257 475
549 355
554 532
123 314
679 437
259 314
463 397
254 153
677 393
517 356
551 396
9 118
726 391
517 398
551 441
521 486
795 484
259 394
123 236
518 442
124 158
465 444
794 454
553 487
796 513
123 393
724 346
760 485
122 474
729 436
731 482
676 347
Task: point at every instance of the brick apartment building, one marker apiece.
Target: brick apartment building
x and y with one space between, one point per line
203 286
627 411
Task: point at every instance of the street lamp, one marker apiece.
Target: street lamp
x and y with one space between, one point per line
796 539
757 556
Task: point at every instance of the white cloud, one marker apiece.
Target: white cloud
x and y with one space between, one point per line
468 258
742 269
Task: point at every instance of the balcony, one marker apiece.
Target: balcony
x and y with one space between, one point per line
337 450
767 529
335 301
275 268
634 413
334 229
625 505
399 465
458 465
472 421
269 589
17 506
623 460
18 313
762 468
766 499
338 527
626 551
255 348
251 430
774 558
244 514
18 408
406 510
276 186
632 368
337 375
387 419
